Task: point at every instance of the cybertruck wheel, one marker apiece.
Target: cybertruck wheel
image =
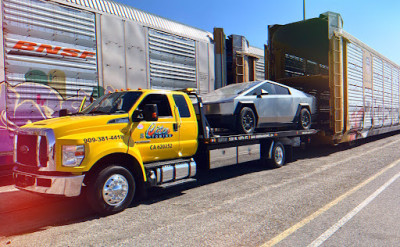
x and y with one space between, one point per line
246 121
305 119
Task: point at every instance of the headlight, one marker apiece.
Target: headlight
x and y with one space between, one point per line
73 155
15 147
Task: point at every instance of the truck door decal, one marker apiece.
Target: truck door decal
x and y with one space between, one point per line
157 131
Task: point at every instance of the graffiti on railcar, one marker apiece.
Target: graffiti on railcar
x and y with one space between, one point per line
40 96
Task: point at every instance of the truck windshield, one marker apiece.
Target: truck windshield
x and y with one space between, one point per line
120 102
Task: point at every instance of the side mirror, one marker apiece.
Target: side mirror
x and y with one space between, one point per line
150 112
262 92
137 115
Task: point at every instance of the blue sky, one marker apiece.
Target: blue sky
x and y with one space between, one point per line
376 23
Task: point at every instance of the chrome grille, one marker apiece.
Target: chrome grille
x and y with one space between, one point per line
31 150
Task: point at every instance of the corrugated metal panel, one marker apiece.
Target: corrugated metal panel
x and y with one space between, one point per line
148 19
375 106
256 51
260 69
377 78
355 86
172 61
50 58
113 51
203 67
387 94
395 99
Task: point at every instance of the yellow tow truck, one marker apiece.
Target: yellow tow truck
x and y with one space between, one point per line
129 140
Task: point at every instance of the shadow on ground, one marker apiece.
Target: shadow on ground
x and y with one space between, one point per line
23 212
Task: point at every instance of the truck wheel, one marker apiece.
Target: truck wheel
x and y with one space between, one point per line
305 119
111 190
278 155
247 121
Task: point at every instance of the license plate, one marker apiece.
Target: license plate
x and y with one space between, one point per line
24 180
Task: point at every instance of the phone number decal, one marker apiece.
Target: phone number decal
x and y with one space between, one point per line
103 138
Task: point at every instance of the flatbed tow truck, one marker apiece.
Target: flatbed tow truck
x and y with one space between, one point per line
127 141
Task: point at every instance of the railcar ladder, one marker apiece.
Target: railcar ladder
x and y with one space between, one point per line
240 68
336 81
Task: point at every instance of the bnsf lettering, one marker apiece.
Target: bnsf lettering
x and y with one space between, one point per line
69 52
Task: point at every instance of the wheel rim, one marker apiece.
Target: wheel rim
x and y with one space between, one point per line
115 190
305 120
248 121
278 155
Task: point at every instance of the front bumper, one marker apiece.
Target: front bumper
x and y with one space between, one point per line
68 186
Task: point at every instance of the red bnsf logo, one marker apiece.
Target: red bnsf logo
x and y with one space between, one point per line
69 52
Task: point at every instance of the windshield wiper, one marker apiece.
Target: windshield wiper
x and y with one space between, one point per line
119 112
76 113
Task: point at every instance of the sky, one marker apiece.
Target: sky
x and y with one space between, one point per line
374 22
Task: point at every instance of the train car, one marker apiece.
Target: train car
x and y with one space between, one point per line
55 53
357 88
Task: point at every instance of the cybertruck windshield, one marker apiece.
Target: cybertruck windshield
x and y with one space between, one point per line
120 102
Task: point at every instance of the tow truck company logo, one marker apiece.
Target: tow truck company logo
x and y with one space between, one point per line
155 131
49 49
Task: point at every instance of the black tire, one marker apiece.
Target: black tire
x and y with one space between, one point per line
247 121
304 119
278 156
111 190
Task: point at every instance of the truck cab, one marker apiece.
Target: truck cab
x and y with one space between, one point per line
114 147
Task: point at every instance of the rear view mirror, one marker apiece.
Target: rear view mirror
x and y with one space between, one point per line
150 112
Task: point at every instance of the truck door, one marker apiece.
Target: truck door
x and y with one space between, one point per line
157 140
187 124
